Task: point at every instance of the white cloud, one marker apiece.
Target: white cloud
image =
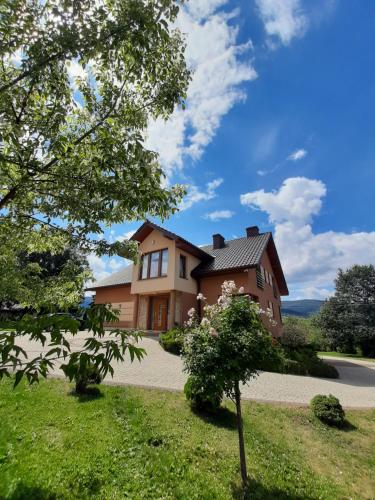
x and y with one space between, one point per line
282 19
195 194
102 267
125 236
218 72
98 266
297 200
298 154
219 215
310 260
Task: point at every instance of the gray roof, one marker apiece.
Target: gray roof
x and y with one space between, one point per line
122 277
238 253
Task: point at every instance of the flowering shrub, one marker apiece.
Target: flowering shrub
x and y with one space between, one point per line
203 397
227 347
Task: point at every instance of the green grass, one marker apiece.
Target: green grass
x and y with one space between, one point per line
138 443
343 355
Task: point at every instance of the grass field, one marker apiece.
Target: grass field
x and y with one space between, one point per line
138 443
342 355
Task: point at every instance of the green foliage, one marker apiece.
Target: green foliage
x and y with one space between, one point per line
172 340
232 349
205 397
295 332
100 348
328 409
73 158
309 362
302 331
322 369
46 281
348 318
293 367
86 374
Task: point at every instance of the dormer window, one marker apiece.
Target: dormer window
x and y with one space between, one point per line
154 264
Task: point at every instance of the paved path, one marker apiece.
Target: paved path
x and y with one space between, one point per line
354 388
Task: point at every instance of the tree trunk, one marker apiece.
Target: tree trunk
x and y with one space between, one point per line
240 434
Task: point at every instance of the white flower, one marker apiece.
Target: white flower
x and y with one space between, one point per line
205 322
200 296
213 332
191 312
241 290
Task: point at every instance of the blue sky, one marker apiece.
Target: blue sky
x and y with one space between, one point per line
278 132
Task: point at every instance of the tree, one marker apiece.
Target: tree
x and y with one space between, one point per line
73 158
45 278
348 318
227 348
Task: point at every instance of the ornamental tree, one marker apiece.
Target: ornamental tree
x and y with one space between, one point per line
79 83
226 349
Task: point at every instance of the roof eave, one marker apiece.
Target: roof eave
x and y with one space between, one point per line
93 288
185 245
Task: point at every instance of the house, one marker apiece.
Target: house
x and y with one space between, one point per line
158 292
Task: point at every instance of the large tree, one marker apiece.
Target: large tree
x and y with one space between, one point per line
73 158
45 280
348 318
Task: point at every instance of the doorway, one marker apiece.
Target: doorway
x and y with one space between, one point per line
159 313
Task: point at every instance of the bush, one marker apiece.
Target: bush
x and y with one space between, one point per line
328 409
203 396
293 367
295 332
90 375
172 340
309 362
321 369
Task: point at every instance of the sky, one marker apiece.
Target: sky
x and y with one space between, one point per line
278 132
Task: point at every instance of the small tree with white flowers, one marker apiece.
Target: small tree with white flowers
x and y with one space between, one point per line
227 348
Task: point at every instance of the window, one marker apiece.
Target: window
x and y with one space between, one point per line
154 264
270 307
259 277
144 269
164 262
182 266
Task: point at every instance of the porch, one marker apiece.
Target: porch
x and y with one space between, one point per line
156 312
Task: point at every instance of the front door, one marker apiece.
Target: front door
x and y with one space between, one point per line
159 313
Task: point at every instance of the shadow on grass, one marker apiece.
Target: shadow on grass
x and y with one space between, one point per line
24 491
348 426
223 417
90 394
257 491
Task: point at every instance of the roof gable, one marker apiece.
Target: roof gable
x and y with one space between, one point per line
147 228
242 253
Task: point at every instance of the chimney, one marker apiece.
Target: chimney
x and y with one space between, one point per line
252 231
218 241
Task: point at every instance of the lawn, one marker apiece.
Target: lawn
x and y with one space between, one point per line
343 355
139 443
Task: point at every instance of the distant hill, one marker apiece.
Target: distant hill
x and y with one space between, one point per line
302 308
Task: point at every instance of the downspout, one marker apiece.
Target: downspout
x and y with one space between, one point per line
199 301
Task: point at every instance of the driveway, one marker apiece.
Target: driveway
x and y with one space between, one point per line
354 388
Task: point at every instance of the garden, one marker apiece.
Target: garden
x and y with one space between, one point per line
139 443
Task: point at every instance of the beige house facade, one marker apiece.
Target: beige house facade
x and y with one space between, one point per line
156 293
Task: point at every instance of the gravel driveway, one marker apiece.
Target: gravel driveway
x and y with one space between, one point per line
354 388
